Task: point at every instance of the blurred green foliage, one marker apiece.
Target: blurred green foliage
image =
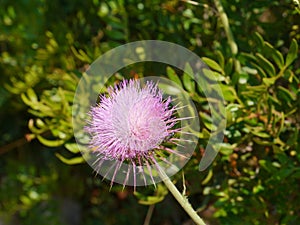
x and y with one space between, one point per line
45 46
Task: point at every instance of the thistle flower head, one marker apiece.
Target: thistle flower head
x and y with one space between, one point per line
130 125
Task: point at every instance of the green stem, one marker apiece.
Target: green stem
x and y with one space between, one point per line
182 200
232 44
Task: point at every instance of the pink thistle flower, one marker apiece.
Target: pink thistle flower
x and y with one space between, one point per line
130 125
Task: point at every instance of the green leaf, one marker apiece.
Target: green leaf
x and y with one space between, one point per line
266 65
293 139
243 78
25 200
259 40
254 91
31 94
173 76
247 56
228 67
221 59
273 101
261 134
30 98
158 196
292 54
258 188
275 54
249 70
81 55
285 95
269 80
207 121
290 76
114 22
72 161
228 92
208 177
40 123
25 99
213 64
169 89
72 147
34 129
226 148
50 143
151 200
261 72
188 80
115 34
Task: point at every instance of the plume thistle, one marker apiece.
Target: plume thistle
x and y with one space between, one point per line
132 125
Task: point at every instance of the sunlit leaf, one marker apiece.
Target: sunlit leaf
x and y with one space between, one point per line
213 64
50 143
72 147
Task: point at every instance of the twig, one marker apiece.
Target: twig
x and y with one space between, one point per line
13 145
